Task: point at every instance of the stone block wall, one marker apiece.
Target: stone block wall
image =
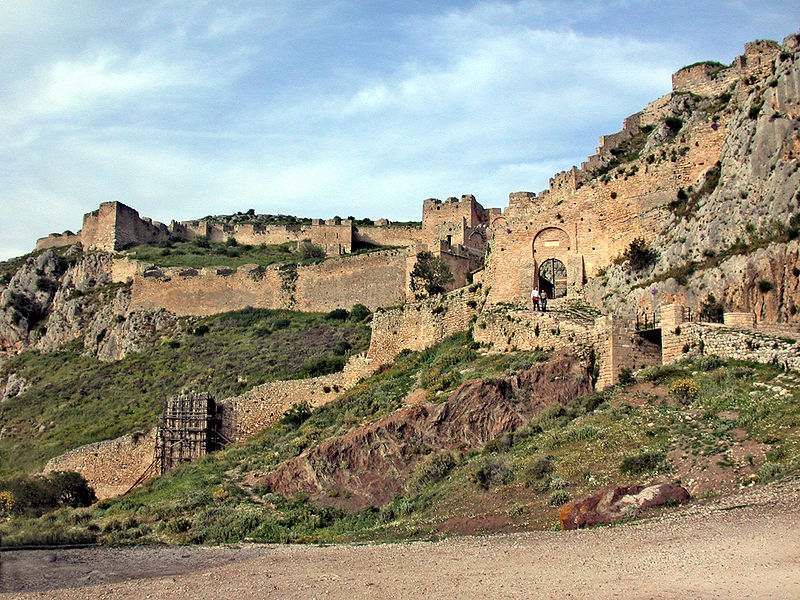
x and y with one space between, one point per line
420 325
739 344
58 240
375 279
710 79
738 338
111 467
389 235
114 226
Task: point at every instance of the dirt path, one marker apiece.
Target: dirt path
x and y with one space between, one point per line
742 546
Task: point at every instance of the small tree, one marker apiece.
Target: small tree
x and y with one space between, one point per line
430 275
639 255
307 251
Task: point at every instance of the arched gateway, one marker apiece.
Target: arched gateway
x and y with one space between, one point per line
553 278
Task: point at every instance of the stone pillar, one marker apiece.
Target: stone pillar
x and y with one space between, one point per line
614 348
671 341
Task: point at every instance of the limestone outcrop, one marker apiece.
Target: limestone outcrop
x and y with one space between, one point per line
53 300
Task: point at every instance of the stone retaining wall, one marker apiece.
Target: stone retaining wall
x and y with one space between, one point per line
112 466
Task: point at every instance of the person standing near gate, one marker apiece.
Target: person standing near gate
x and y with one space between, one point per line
543 300
535 299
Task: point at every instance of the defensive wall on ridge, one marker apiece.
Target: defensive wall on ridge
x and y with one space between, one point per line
375 279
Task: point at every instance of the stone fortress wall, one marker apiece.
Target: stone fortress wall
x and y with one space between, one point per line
375 279
112 466
582 220
585 220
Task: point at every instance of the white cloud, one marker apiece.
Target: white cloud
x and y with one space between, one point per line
182 109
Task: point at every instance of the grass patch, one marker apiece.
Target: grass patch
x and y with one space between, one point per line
75 400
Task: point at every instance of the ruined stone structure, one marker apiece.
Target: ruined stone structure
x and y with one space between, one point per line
112 466
189 428
557 240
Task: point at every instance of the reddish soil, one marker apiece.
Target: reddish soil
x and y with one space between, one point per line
369 465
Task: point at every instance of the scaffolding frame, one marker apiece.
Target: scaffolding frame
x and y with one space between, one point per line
189 428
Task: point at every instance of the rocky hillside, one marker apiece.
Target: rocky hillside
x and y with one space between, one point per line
734 235
53 299
379 458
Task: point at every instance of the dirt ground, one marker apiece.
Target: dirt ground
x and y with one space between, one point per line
746 545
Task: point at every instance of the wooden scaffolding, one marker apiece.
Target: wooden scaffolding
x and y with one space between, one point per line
190 427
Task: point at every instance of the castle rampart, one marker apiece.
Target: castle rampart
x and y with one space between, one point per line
712 79
375 279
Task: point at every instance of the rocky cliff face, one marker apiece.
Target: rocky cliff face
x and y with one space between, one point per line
738 241
52 300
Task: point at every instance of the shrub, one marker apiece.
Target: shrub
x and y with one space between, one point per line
491 471
755 109
626 376
7 503
538 468
309 251
558 498
769 471
359 312
432 469
684 389
36 494
297 414
639 255
711 310
338 314
765 286
647 460
674 124
709 363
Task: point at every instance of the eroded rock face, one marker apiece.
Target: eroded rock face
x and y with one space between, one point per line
25 301
369 465
758 193
13 386
52 300
605 507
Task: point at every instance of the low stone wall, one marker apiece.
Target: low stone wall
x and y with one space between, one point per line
422 324
738 344
111 467
738 338
265 404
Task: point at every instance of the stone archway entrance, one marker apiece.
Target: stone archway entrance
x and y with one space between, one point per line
553 278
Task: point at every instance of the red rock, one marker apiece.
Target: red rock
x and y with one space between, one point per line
604 507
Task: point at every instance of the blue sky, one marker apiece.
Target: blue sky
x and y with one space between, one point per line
187 108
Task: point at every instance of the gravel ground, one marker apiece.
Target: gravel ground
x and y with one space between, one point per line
746 545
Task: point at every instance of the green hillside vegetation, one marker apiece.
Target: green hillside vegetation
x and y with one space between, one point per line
628 434
75 400
199 253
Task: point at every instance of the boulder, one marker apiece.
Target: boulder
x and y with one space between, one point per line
604 507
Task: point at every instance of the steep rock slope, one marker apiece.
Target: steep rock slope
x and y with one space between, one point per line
370 465
738 225
52 300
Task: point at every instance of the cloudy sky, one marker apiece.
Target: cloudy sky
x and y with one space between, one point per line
184 108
